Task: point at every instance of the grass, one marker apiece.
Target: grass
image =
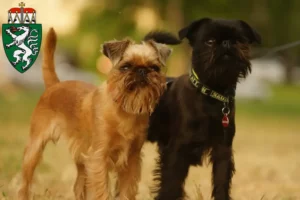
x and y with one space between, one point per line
284 103
266 148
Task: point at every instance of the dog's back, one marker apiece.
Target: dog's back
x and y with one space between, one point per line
61 99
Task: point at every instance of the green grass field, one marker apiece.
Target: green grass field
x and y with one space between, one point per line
267 149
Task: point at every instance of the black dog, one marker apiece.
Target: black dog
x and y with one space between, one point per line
195 116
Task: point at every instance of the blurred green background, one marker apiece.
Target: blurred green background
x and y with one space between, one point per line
268 116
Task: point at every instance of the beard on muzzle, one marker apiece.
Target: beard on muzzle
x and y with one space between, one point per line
222 67
133 83
141 100
138 96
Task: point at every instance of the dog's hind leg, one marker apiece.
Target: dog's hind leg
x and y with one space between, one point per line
32 156
129 177
171 173
80 184
41 131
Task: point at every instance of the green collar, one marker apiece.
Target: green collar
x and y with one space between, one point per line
205 90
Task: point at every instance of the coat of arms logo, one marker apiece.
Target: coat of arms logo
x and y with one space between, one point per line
22 37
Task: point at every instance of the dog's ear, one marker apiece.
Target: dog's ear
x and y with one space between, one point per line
251 34
190 31
162 50
114 50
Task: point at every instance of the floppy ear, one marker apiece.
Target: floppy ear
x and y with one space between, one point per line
163 51
251 34
114 50
189 32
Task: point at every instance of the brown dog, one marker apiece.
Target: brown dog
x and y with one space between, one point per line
107 123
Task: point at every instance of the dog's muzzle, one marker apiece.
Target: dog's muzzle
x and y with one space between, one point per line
142 72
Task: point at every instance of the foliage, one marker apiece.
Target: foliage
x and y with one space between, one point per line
109 19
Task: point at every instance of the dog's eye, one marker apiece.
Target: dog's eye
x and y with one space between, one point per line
125 67
210 42
155 68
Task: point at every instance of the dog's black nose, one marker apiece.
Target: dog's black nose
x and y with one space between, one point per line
226 44
142 71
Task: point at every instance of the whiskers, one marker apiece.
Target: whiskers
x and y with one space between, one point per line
243 51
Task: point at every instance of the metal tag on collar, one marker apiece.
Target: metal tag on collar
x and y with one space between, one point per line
225 119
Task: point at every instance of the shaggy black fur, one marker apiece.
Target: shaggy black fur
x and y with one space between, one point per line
186 124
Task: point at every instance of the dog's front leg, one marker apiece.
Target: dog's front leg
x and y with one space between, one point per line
172 172
79 187
129 177
222 172
97 166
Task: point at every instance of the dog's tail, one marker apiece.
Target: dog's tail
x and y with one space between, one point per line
49 74
162 37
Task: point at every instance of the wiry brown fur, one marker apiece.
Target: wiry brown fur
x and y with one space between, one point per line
106 123
138 100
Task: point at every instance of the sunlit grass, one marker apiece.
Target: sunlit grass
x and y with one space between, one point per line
266 152
285 102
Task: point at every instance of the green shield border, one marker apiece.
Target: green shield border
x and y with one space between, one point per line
6 39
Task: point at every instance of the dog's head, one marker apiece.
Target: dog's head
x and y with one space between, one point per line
221 49
136 80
